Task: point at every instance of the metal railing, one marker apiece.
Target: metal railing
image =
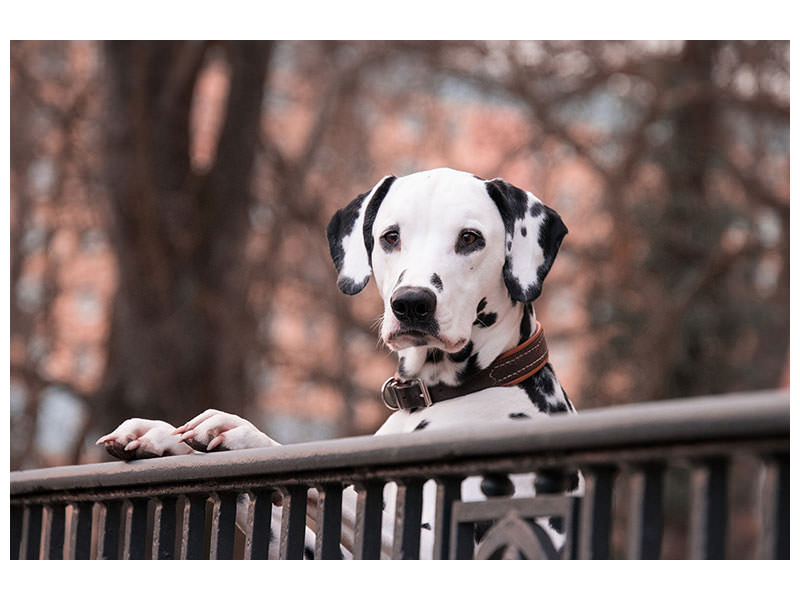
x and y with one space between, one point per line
186 507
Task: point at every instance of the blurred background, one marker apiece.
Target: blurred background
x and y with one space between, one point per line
169 201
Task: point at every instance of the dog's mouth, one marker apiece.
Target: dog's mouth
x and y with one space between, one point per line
407 337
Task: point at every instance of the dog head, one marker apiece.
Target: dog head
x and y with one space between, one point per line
439 243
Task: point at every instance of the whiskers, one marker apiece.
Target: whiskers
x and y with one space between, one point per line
376 326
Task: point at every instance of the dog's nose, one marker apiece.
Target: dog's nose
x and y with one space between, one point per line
413 304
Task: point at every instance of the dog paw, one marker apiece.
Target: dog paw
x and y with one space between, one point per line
215 430
143 438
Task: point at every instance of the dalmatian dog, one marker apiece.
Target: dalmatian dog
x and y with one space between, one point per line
458 261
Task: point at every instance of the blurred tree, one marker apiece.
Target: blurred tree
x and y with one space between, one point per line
54 214
688 290
181 326
694 247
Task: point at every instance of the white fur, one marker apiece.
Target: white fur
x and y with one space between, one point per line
445 202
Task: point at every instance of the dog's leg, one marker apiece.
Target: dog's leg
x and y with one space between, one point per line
216 430
143 438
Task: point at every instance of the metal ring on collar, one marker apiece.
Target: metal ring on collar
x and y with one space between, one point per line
394 394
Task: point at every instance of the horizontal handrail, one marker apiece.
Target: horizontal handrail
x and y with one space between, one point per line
751 416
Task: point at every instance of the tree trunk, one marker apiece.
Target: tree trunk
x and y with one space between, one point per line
181 330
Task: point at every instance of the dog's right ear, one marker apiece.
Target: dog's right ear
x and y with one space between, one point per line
350 237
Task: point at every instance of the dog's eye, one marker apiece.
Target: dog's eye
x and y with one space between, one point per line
468 241
390 239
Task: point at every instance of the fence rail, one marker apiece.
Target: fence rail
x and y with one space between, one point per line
222 505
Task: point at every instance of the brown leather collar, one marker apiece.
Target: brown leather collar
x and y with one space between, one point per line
510 368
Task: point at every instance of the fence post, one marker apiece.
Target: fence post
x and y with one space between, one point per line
134 537
594 530
108 529
192 542
329 522
645 524
408 519
258 534
369 512
53 525
293 522
223 524
164 527
448 490
708 509
774 542
79 541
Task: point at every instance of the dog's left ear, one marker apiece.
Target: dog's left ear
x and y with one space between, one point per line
533 236
350 237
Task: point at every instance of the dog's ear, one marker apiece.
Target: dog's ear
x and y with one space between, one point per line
533 236
350 237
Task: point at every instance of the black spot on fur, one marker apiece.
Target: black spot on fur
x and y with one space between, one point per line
350 287
462 354
412 410
426 526
511 202
422 425
540 388
546 380
470 369
570 408
340 226
481 305
371 213
530 387
486 319
308 553
515 289
557 523
525 325
523 231
536 209
434 356
559 407
518 416
436 282
551 233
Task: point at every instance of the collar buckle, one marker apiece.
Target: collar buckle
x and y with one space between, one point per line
397 394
